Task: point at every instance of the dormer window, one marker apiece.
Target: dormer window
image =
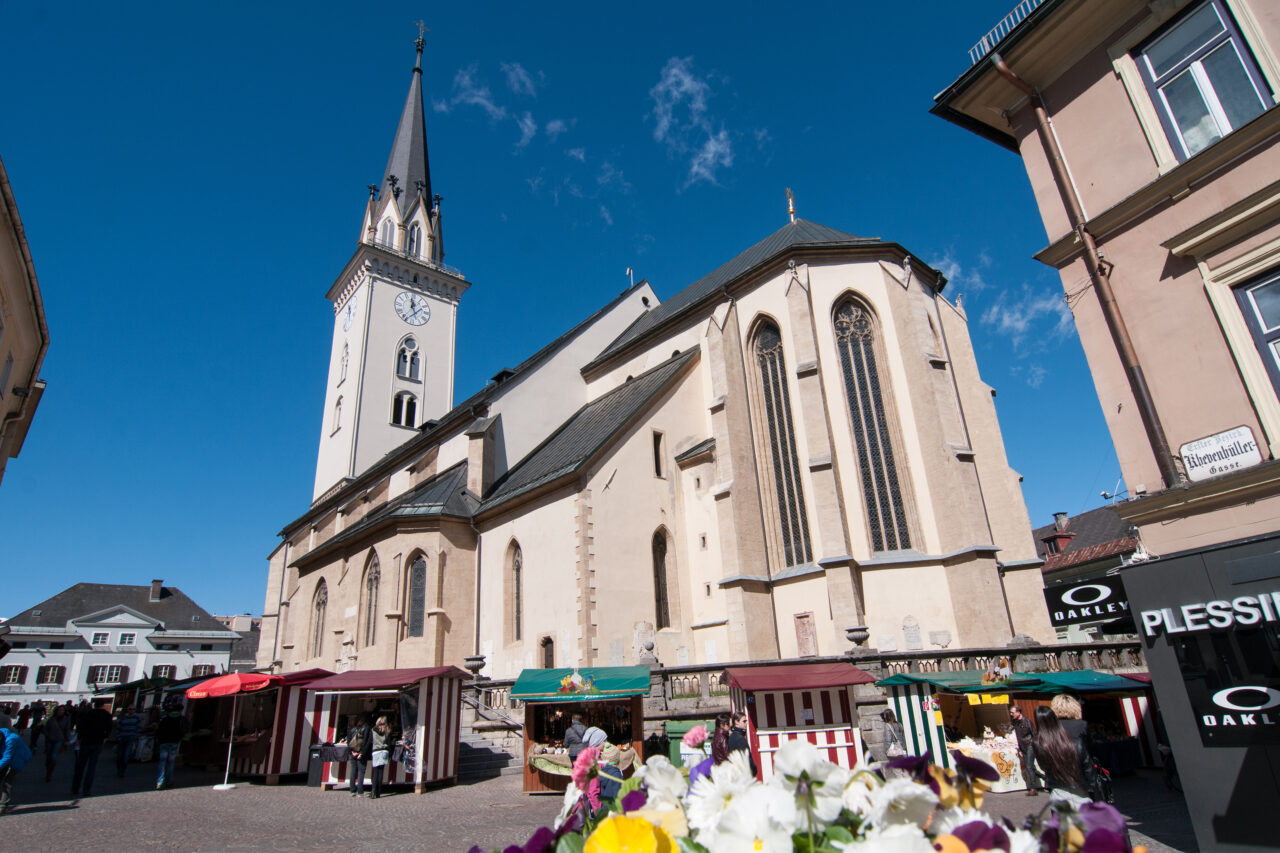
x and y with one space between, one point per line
128 639
101 638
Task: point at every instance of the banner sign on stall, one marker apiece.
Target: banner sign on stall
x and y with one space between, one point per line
1090 600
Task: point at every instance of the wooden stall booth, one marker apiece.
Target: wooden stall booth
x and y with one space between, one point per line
609 697
272 736
423 706
813 702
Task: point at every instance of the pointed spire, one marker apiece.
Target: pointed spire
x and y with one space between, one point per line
408 160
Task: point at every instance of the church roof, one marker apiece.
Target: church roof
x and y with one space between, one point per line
801 232
175 611
408 160
443 496
569 449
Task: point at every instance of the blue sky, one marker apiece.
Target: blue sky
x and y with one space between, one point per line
192 178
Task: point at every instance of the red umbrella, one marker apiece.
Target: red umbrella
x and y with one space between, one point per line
232 684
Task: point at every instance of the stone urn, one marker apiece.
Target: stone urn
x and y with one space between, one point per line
473 664
857 635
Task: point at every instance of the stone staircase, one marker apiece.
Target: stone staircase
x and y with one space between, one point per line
488 748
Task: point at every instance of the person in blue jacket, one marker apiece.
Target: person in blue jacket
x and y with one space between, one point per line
14 758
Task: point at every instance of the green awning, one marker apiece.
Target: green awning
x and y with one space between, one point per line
1086 681
963 681
592 683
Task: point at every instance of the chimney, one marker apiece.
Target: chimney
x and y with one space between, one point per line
242 624
1060 521
481 449
1057 541
157 586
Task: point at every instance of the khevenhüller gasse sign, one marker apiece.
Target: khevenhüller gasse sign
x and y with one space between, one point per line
1206 615
1217 454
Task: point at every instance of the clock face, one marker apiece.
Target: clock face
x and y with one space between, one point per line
348 314
413 308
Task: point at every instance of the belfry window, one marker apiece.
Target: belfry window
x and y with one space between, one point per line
372 578
408 360
857 343
417 597
386 234
337 415
404 409
415 241
774 401
319 604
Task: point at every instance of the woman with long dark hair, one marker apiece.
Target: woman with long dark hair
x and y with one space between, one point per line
1066 764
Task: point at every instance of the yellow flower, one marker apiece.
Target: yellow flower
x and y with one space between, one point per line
949 844
671 820
971 794
1075 838
948 796
626 834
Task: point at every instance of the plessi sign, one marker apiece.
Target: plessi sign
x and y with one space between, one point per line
1220 454
1087 601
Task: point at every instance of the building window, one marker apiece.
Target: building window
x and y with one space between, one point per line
1260 303
99 675
164 670
408 360
386 234
662 605
657 454
319 604
346 359
857 343
1202 78
415 240
372 577
515 592
101 638
13 674
50 675
206 647
404 409
548 653
792 525
337 416
202 670
128 638
417 597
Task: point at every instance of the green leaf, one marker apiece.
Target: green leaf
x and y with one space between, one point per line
571 843
687 845
839 833
633 783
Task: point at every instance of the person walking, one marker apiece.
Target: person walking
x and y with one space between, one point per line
1025 734
15 757
379 754
1067 765
57 732
738 739
169 734
573 736
128 727
93 726
37 723
359 742
720 740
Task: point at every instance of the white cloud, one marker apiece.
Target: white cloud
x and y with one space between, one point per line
683 124
439 106
967 280
763 137
579 154
469 91
1036 375
519 80
612 177
1036 316
528 129
606 215
535 183
715 153
555 127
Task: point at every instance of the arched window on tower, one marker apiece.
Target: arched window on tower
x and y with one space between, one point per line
873 428
319 604
417 603
369 615
386 234
662 603
346 358
789 522
515 593
404 409
337 415
415 241
408 360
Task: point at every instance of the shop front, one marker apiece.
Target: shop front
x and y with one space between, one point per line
423 707
608 697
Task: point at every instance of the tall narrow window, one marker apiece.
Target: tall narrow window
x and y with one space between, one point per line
372 578
386 234
657 454
404 409
548 653
337 415
417 597
408 362
662 605
319 604
415 240
775 404
50 674
856 340
346 358
515 592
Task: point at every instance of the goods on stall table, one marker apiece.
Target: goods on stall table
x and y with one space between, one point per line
1000 752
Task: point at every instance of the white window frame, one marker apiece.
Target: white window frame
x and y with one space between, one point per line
208 669
104 641
13 674
51 669
128 638
337 416
400 414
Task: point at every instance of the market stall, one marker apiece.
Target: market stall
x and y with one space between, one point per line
784 702
424 707
609 697
271 735
1120 712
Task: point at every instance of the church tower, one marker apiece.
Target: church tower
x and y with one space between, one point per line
395 314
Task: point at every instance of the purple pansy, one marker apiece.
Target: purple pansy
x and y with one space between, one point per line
634 801
977 835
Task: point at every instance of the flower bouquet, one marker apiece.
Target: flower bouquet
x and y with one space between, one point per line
813 806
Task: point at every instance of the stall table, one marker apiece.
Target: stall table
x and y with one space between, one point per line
812 702
609 696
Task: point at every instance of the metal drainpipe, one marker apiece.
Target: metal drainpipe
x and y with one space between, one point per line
1099 274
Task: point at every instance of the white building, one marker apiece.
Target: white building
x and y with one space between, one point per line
95 636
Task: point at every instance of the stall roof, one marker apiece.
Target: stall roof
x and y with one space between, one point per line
303 676
799 676
598 682
1087 681
970 681
383 679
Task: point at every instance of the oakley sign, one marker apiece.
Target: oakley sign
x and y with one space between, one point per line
1242 715
1092 600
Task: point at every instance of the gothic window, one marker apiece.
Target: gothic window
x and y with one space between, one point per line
417 596
346 358
337 415
515 592
372 576
873 429
386 235
662 606
408 360
415 240
319 604
404 409
791 527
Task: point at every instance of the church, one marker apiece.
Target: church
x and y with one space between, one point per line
796 444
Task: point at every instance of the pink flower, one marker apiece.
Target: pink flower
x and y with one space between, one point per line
694 737
584 766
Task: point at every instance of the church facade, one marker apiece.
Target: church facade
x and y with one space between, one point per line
796 444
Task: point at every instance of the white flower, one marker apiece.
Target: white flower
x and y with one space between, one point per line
762 818
857 792
901 801
947 820
817 784
571 795
902 838
795 757
1021 841
665 785
711 795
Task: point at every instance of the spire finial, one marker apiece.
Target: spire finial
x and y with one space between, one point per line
791 204
420 43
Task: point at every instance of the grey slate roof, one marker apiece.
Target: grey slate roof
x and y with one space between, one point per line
174 610
408 160
1096 527
579 439
801 232
443 496
245 649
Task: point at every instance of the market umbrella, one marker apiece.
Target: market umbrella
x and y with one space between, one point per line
232 684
